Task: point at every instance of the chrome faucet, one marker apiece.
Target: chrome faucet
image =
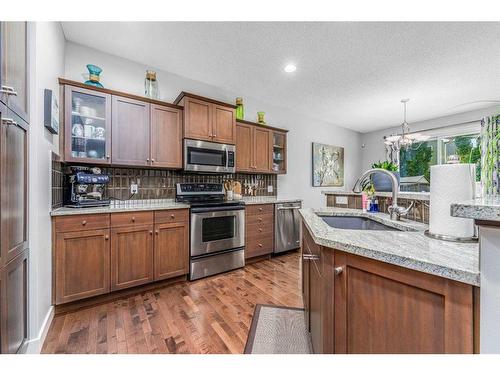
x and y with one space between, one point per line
394 210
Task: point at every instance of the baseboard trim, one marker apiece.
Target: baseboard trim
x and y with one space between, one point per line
34 346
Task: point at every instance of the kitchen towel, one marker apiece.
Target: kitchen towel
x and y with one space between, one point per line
451 183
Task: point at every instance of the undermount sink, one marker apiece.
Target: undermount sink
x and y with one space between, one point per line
356 223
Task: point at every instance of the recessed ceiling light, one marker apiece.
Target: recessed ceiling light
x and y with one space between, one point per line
290 68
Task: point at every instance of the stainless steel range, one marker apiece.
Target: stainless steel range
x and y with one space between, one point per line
217 230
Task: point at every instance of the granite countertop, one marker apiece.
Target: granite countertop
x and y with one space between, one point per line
409 248
268 199
485 208
422 196
154 204
122 206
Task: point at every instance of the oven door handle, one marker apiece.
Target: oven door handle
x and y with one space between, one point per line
219 209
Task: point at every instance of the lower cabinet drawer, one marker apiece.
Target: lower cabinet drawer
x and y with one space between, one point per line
81 222
259 230
259 246
131 218
260 209
265 219
171 216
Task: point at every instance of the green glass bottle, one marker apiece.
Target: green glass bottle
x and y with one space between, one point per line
240 112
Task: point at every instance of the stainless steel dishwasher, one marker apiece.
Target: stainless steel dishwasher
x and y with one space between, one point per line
286 226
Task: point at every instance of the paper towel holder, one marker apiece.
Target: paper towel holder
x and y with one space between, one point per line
442 237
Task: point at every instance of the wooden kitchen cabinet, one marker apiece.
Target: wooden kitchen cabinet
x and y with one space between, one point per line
103 126
166 136
318 293
306 267
206 119
224 124
362 306
82 264
14 121
94 254
14 305
382 308
171 250
14 67
13 186
131 256
87 125
263 141
130 141
259 230
255 148
244 147
198 117
279 163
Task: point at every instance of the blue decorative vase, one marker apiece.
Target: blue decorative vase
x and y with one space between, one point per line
94 72
382 182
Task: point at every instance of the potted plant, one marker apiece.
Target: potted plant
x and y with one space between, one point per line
381 181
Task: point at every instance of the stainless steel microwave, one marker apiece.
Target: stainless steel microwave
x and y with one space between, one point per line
201 156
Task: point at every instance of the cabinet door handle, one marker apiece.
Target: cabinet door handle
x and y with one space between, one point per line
133 219
147 159
151 232
8 90
84 222
260 209
260 245
157 232
8 121
310 257
152 160
172 216
108 157
338 270
260 229
106 237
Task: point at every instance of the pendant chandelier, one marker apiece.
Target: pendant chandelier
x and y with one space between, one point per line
394 143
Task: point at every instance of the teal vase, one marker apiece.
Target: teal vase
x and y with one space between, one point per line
94 72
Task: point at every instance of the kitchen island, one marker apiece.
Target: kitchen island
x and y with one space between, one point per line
387 291
486 212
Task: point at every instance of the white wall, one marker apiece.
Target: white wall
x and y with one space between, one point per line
128 76
47 64
374 149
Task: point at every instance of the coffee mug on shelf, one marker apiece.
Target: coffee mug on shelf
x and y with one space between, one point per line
88 131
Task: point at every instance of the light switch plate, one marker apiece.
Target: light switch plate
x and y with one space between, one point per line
270 188
134 188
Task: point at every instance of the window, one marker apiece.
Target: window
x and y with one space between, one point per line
416 161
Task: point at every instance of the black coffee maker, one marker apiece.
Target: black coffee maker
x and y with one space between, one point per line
85 187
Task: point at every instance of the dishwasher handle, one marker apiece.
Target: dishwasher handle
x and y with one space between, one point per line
288 208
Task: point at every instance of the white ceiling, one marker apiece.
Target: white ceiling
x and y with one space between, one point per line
351 74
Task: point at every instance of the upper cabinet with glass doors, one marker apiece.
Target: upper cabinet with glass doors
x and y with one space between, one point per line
14 67
88 125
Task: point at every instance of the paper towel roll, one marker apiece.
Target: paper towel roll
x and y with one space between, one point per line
451 183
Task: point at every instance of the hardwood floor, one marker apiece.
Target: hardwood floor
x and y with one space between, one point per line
211 315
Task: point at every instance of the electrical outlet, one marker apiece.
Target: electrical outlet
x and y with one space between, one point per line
134 188
270 188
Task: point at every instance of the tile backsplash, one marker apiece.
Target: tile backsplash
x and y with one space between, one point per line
156 184
57 182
